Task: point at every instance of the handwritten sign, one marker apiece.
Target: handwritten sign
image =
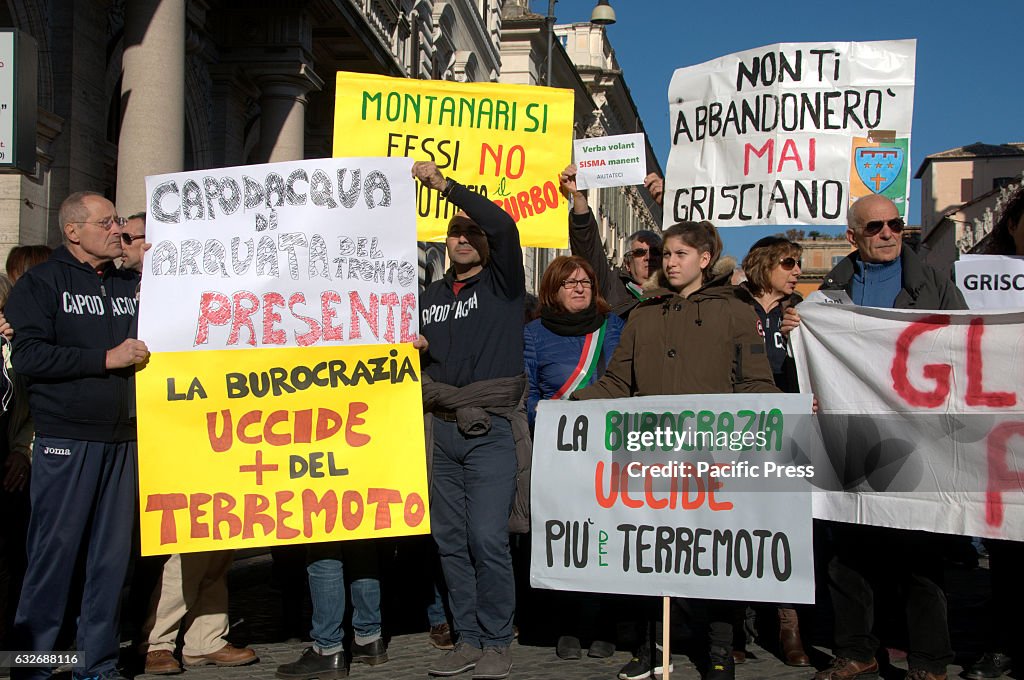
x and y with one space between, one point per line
616 161
790 133
281 403
920 417
991 281
506 142
692 496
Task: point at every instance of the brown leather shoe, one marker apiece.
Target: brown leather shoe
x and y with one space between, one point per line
162 662
739 656
441 636
228 655
843 668
792 646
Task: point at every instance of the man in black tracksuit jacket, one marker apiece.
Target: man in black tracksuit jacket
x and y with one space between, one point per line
473 322
72 317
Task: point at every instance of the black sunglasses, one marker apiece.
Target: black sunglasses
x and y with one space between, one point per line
641 252
873 227
129 239
788 263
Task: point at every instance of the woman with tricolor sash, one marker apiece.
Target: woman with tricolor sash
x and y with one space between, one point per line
571 343
567 348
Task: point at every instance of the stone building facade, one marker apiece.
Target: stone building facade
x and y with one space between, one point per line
129 88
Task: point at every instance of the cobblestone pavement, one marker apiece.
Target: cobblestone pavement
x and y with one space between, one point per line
257 621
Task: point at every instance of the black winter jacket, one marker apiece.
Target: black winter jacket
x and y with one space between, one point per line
584 242
65 317
923 286
478 334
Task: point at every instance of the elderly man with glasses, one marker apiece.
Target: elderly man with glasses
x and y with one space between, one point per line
882 273
74 316
623 289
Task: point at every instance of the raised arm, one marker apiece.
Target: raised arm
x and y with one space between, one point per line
585 242
506 256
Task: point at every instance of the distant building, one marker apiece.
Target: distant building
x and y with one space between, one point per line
958 186
130 88
583 61
820 255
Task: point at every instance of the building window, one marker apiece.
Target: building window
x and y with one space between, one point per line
966 190
836 259
1000 182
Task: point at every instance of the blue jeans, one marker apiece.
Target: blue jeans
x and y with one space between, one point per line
435 610
327 590
472 487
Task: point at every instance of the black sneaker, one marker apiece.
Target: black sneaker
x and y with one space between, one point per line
313 664
568 647
990 665
372 653
721 667
641 666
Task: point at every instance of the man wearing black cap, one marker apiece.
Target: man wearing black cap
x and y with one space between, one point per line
474 384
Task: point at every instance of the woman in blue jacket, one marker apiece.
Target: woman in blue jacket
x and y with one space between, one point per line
567 348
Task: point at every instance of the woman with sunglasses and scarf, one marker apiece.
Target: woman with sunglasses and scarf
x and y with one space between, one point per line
772 267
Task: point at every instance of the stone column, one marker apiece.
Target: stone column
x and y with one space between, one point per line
283 112
152 97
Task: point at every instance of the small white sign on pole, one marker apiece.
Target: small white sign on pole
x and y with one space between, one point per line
617 161
991 281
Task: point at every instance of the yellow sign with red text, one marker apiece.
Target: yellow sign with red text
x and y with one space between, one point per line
262 447
507 142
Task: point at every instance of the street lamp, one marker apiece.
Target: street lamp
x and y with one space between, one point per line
603 15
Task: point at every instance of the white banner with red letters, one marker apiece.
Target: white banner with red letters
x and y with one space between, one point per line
920 415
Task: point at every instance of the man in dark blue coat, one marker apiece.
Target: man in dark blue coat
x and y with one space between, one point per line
72 316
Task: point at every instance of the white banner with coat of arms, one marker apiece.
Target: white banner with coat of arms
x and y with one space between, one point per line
790 133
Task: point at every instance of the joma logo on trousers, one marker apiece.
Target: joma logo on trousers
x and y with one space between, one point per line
53 451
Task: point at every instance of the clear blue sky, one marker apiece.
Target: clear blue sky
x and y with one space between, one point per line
969 61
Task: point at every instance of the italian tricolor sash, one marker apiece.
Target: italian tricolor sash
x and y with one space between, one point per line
636 289
587 366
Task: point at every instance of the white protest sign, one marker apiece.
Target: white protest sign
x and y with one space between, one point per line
991 281
921 419
616 161
294 254
790 133
683 495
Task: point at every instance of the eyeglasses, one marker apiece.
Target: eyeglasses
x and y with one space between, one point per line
107 223
873 227
569 284
788 263
130 239
642 252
